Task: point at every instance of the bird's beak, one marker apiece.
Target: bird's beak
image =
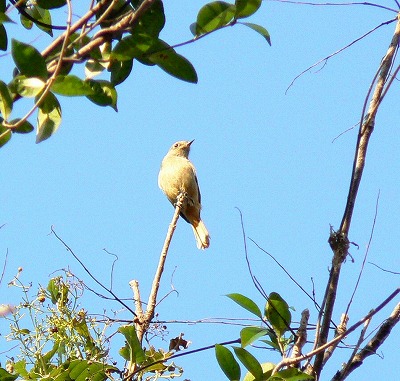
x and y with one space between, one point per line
189 144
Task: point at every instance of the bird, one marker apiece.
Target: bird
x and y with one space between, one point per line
178 176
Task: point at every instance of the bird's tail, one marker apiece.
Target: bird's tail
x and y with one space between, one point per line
201 234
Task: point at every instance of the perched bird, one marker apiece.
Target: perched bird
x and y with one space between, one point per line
178 175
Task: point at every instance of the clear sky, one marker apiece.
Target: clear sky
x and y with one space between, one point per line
256 148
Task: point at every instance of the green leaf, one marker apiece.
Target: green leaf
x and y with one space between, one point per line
132 351
3 5
27 87
259 29
227 362
48 121
71 85
93 68
245 8
6 103
28 60
104 93
173 63
152 21
5 135
291 374
250 334
4 18
83 370
5 376
277 313
120 71
267 368
3 38
246 303
213 16
20 369
26 23
44 18
249 361
50 4
24 128
132 47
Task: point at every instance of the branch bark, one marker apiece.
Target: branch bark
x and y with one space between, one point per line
339 241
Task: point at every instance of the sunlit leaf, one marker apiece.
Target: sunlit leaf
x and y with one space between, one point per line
27 87
246 303
227 363
6 103
267 368
291 374
132 47
71 85
5 376
213 16
250 334
5 135
48 121
28 60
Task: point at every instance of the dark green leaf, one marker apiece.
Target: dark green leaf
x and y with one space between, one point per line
6 103
5 376
104 93
277 313
71 85
259 29
3 38
152 21
50 4
250 334
132 47
245 8
132 351
174 64
120 71
28 60
213 16
24 128
5 135
291 374
48 121
3 5
246 303
227 363
249 361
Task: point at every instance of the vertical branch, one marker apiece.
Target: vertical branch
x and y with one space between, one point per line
143 319
339 241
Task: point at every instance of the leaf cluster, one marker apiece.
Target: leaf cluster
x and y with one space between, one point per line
275 322
108 39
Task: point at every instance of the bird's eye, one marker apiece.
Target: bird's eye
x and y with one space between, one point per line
176 145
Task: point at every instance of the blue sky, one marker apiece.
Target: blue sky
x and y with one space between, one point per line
256 148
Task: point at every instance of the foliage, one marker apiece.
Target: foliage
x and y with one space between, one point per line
61 341
274 323
107 39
